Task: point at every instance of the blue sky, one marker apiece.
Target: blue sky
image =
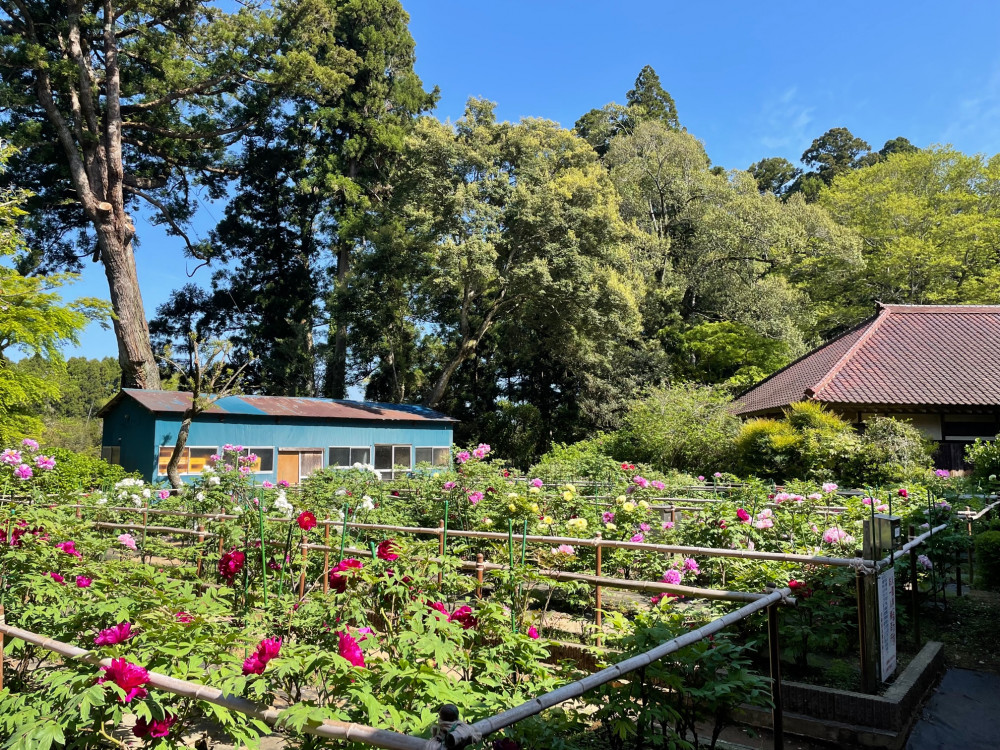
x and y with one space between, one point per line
750 79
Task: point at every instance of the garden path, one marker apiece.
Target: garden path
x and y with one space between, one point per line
964 712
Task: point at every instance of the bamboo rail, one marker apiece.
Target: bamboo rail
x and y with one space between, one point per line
338 730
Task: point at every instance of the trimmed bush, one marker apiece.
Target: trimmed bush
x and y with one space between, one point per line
892 451
988 559
75 471
984 455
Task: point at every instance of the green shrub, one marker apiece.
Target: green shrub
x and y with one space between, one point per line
810 443
586 459
75 472
984 455
988 559
686 427
891 451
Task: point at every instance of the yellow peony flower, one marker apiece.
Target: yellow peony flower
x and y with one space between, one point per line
534 507
534 490
548 520
628 507
620 499
512 507
644 505
567 495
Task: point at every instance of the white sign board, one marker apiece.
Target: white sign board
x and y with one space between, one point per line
887 622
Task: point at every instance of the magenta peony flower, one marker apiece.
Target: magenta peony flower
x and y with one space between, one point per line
45 463
338 582
56 577
154 728
533 632
268 649
253 665
691 565
386 550
30 444
83 582
672 576
742 514
163 494
349 649
110 636
128 676
475 497
463 456
183 617
231 564
23 472
448 486
463 616
283 483
69 547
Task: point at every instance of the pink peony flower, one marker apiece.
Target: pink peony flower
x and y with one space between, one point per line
943 473
637 538
835 535
127 540
448 485
163 494
69 547
83 582
30 444
691 565
10 457
338 582
128 676
463 456
475 497
673 577
110 636
701 478
717 475
267 485
349 649
537 482
667 525
658 485
45 463
386 550
23 472
640 481
643 527
155 728
607 516
829 487
283 483
563 549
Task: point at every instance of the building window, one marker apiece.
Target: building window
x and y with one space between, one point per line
193 459
344 457
112 454
433 456
392 461
265 459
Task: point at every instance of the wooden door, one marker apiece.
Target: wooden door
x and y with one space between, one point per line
310 461
288 466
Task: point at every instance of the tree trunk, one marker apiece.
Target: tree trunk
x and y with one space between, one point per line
182 437
135 354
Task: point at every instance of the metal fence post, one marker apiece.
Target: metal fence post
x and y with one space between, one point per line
867 620
201 549
598 596
972 576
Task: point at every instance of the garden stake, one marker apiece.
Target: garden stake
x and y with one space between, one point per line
263 547
343 535
914 594
201 552
284 562
479 575
510 555
441 552
305 563
326 555
444 534
145 514
972 577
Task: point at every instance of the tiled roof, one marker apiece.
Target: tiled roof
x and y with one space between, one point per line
907 355
166 402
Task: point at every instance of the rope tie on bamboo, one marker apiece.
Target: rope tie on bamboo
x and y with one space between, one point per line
451 732
860 565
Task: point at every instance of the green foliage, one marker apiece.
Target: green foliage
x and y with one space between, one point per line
810 442
988 559
891 451
731 353
984 455
686 428
76 471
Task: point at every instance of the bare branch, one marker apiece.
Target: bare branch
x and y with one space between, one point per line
169 219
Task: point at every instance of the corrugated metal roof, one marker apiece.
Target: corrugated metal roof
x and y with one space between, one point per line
167 402
907 355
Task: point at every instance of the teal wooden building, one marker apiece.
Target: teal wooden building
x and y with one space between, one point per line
291 437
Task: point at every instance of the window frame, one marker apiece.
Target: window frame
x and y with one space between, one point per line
187 449
114 454
351 448
391 472
433 448
247 450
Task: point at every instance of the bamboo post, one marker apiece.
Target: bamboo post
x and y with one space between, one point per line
598 604
305 564
201 551
326 555
866 631
479 575
673 514
3 621
972 576
914 596
145 522
441 533
343 535
777 714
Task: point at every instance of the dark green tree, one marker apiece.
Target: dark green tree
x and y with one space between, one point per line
774 175
835 152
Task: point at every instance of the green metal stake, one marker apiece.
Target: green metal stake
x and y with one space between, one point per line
263 551
343 535
444 533
510 555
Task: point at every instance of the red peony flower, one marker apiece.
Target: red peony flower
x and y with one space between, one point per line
306 520
743 515
155 728
386 550
268 649
83 582
903 492
128 676
110 636
800 589
56 577
231 564
183 617
349 649
463 616
253 665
